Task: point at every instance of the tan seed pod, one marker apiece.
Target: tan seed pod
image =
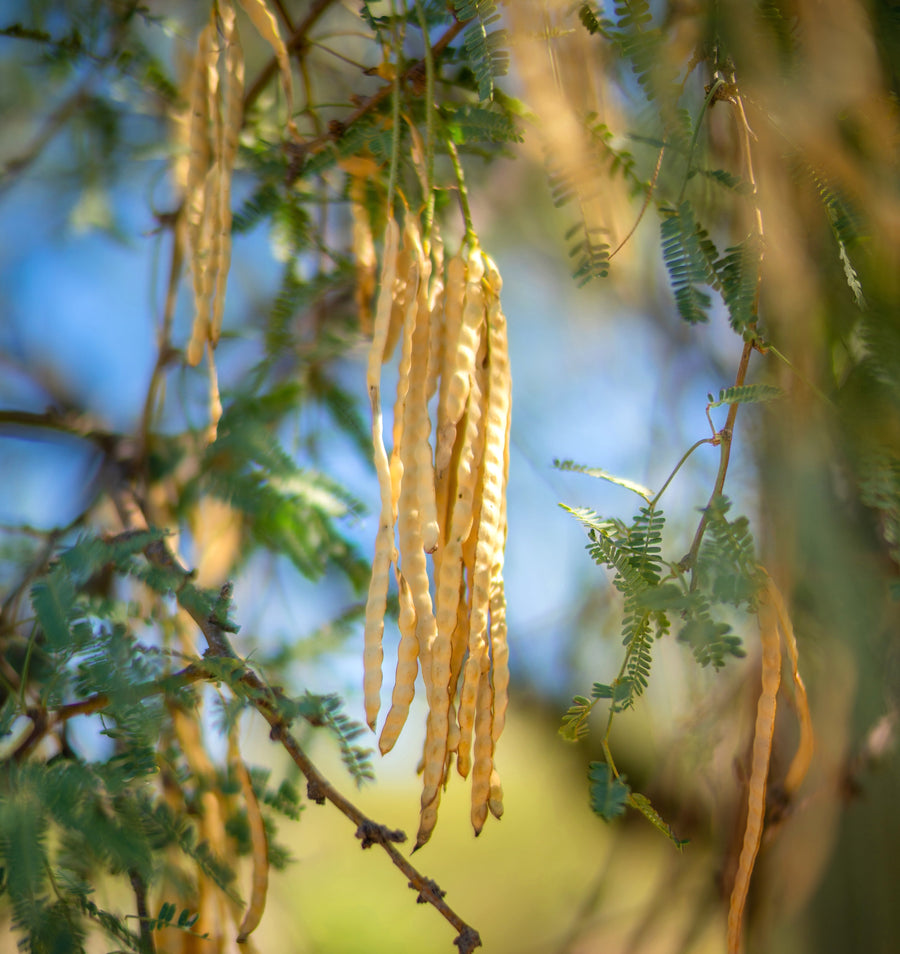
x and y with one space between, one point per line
232 119
482 763
376 603
196 194
405 295
266 25
495 799
461 358
414 456
363 254
458 646
418 423
489 529
436 299
806 746
406 260
499 656
407 669
450 589
259 843
759 766
435 744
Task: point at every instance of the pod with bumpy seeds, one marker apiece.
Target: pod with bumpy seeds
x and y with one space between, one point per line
376 604
759 766
490 541
459 361
407 669
482 762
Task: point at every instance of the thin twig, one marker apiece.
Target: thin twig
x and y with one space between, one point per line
139 886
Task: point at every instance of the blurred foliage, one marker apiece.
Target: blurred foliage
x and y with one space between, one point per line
743 153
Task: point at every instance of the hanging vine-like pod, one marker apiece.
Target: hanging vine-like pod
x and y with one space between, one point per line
446 499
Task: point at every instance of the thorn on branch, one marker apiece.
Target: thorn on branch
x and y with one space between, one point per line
371 833
467 940
315 794
427 884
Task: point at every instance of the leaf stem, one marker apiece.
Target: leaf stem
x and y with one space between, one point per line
462 193
395 109
678 466
429 123
713 89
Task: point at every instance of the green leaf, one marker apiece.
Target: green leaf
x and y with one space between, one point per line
54 600
747 394
609 795
574 722
636 488
690 257
642 804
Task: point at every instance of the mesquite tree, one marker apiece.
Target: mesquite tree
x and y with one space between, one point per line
742 154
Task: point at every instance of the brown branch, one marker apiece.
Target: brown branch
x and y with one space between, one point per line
139 886
727 433
73 423
265 700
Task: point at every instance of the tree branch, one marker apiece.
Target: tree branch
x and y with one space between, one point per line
265 700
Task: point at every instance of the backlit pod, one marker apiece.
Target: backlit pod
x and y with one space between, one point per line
759 765
376 603
803 757
405 259
259 842
482 762
458 645
452 307
495 799
407 668
436 311
363 254
454 299
419 422
450 591
232 115
499 656
490 540
406 287
433 774
465 716
266 25
459 363
499 363
196 190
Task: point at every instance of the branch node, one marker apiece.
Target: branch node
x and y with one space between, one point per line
467 940
371 833
427 885
315 794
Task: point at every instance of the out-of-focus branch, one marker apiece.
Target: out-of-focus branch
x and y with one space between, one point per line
299 151
296 42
